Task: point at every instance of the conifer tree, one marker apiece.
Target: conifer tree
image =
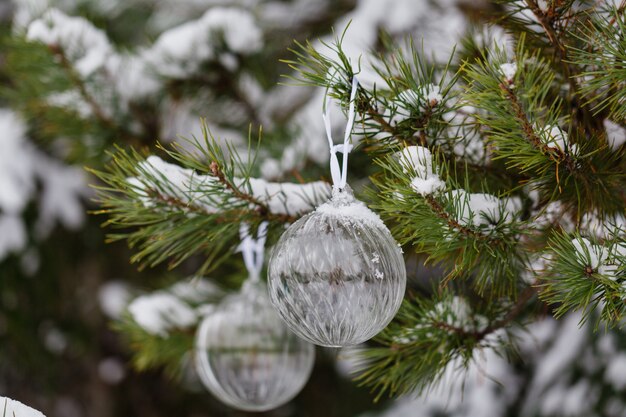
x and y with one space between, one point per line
499 169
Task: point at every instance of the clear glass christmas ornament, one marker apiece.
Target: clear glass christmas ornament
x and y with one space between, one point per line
247 357
337 276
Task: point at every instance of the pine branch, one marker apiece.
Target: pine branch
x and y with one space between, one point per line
452 232
427 336
439 210
586 275
571 72
171 212
262 209
154 352
82 88
529 132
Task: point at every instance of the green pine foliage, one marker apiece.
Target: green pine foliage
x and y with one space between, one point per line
512 134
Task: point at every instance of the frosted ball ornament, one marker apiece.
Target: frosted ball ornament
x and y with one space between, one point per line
337 276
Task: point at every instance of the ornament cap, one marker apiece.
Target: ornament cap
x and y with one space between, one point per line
342 196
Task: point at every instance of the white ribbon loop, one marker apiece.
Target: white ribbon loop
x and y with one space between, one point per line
252 249
338 175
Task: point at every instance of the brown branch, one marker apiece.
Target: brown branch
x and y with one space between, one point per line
224 216
517 309
546 20
262 209
82 88
554 153
570 72
619 11
385 126
175 202
511 315
438 209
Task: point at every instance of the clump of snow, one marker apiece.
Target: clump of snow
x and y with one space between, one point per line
432 95
132 77
83 44
54 339
114 297
60 199
419 160
555 137
176 307
270 168
537 265
15 408
555 214
615 133
12 234
480 209
111 371
159 312
603 227
238 26
176 182
416 158
601 259
509 70
589 254
454 312
70 100
409 101
195 290
179 52
615 373
16 164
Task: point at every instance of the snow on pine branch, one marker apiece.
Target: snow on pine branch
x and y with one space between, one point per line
82 43
419 160
410 102
113 78
562 365
159 312
484 210
451 315
180 51
13 408
555 137
509 69
177 307
604 260
210 194
22 167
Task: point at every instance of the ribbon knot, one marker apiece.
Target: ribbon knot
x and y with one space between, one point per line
252 249
338 175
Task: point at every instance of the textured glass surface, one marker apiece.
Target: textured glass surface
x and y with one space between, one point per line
247 357
337 276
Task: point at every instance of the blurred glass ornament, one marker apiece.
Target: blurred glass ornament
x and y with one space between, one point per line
337 276
245 355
